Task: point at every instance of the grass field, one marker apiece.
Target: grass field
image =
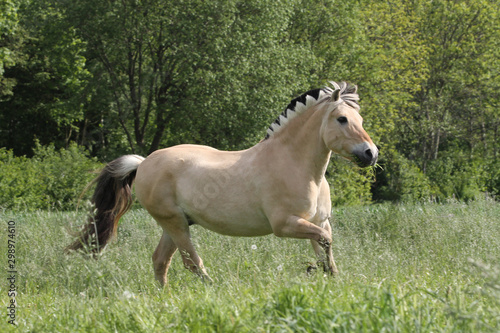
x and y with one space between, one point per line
403 268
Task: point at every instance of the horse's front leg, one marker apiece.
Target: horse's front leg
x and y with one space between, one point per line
324 252
320 236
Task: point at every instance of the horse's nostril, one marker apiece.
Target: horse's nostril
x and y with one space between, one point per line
368 153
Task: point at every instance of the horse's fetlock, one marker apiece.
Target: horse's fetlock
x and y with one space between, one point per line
324 243
191 267
311 269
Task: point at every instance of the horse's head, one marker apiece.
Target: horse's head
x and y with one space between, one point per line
342 129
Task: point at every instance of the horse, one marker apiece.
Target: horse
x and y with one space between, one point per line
276 187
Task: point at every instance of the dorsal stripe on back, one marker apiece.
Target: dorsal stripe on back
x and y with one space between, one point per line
311 98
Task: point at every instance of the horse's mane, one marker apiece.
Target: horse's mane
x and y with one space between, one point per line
312 98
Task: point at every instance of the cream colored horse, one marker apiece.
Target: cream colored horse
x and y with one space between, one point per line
277 186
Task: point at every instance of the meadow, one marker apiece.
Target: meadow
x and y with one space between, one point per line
403 268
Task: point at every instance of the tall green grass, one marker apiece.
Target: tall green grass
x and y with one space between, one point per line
403 268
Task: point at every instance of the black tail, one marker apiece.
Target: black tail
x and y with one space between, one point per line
111 199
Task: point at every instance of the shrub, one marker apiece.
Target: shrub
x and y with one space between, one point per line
492 181
51 179
458 177
349 185
402 180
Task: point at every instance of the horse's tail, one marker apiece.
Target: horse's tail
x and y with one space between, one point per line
111 199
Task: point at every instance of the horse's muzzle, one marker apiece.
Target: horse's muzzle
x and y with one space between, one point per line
365 154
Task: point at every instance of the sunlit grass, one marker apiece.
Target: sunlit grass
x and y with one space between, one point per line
403 268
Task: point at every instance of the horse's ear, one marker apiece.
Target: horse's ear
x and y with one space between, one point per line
355 89
335 95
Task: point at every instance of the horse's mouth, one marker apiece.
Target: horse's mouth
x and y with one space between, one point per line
363 163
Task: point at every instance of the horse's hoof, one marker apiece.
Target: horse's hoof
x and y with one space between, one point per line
207 279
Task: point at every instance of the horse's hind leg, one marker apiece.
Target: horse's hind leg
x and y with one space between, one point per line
325 253
177 228
162 257
191 259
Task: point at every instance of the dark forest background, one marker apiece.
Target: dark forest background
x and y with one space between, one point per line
85 81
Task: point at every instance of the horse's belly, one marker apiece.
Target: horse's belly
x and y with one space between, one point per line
227 210
232 222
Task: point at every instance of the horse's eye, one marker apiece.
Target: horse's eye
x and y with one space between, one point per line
342 120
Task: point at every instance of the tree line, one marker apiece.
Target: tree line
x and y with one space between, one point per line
132 76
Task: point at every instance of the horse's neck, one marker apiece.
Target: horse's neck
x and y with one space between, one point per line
302 141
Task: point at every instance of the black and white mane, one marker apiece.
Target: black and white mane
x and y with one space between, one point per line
312 98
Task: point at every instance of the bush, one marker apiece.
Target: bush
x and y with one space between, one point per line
402 180
51 179
492 181
458 177
349 185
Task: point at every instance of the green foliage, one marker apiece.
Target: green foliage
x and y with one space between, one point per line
457 177
349 185
192 71
8 25
9 29
450 127
48 76
493 178
403 268
52 179
401 180
20 184
391 67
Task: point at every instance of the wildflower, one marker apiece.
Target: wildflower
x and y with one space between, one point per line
254 247
127 294
280 268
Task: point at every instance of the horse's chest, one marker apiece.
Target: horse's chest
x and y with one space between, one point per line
313 211
307 203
